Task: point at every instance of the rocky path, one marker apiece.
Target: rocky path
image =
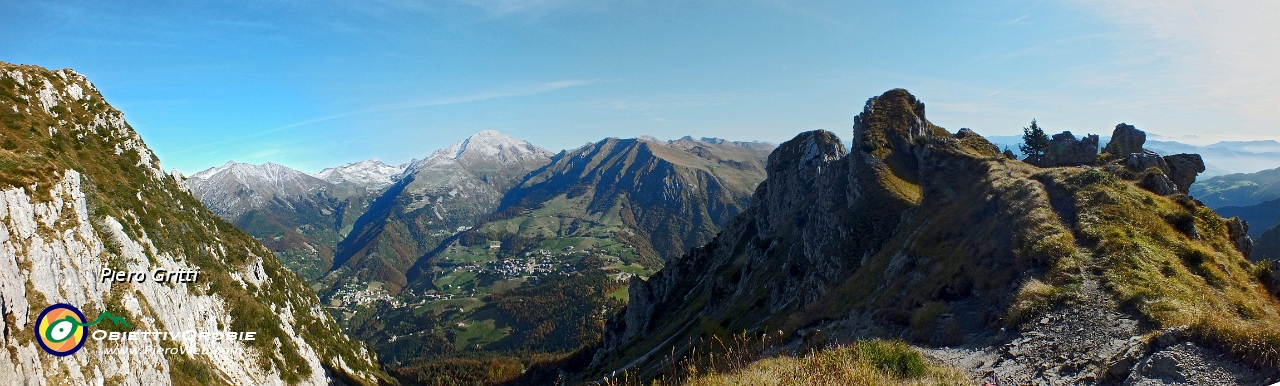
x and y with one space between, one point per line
1088 342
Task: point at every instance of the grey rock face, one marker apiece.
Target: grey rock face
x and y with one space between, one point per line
1066 150
795 172
54 238
1163 365
1159 184
1239 231
1125 140
1143 160
1183 169
1189 364
1170 336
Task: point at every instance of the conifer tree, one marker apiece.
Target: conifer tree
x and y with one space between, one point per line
1035 143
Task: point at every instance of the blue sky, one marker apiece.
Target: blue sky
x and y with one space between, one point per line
311 84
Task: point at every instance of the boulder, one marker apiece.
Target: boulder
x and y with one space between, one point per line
1122 364
1165 366
1066 150
1126 140
1239 232
1183 169
1159 184
1171 336
1145 160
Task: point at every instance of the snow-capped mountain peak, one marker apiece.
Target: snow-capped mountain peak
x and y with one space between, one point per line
492 144
221 188
268 173
372 173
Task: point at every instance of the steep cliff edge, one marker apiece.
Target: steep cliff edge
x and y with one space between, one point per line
79 193
936 238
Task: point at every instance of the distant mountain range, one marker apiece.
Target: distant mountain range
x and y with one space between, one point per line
1238 189
371 175
566 237
434 199
450 226
299 216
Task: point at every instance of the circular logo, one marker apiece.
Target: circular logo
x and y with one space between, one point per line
61 330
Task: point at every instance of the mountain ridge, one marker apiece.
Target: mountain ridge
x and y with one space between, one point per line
371 174
298 216
933 237
81 191
454 187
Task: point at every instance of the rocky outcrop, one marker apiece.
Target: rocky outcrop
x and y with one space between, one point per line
1180 170
824 217
923 235
1142 161
1066 150
1159 183
1126 140
1183 169
795 171
1239 233
101 201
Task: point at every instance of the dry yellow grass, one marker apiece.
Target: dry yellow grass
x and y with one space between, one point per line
872 362
1172 260
848 365
1033 297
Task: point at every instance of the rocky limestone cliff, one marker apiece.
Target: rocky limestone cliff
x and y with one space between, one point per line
934 237
79 192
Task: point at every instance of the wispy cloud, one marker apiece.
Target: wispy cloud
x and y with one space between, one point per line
506 7
1218 55
673 101
453 100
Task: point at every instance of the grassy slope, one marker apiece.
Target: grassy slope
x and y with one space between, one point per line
304 233
1152 261
874 362
36 146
